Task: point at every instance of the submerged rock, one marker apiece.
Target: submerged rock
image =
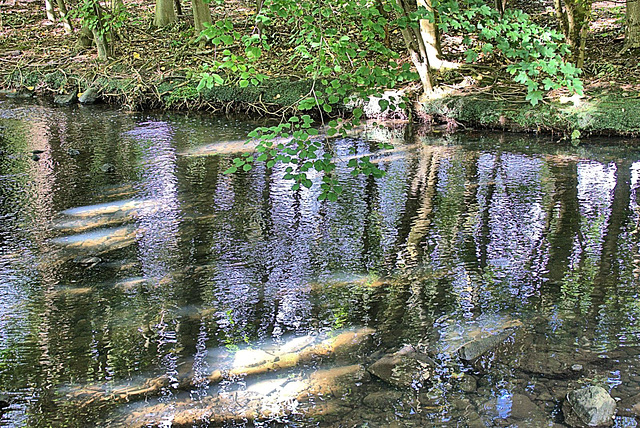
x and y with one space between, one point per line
382 400
481 345
404 368
553 364
5 401
473 339
98 241
589 407
66 99
515 410
22 93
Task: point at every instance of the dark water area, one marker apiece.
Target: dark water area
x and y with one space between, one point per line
141 286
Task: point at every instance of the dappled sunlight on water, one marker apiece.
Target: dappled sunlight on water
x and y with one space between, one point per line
139 285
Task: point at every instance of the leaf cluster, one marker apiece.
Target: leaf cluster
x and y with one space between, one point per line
535 55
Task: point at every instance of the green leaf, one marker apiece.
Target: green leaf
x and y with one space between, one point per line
471 55
534 97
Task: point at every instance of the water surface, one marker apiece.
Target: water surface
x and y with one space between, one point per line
128 257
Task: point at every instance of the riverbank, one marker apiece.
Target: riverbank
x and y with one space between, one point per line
598 113
161 68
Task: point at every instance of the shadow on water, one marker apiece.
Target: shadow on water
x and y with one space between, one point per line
478 282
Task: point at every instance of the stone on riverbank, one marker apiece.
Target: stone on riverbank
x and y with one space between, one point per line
66 99
589 407
90 96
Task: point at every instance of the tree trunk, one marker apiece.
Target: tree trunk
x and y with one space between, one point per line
431 36
561 17
99 34
101 45
632 34
574 18
416 47
178 6
165 15
51 12
63 17
85 38
501 6
259 23
201 14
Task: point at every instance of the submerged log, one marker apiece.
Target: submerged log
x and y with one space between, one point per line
98 241
243 363
263 400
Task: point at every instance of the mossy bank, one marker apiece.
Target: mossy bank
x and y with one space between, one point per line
610 113
599 112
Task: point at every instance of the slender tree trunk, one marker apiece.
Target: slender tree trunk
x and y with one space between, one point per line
165 15
259 24
561 17
99 33
63 16
85 37
632 35
178 7
431 36
574 18
201 14
101 45
501 6
51 12
416 47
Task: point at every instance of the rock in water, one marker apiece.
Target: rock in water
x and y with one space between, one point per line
480 346
591 407
66 99
405 368
473 339
90 96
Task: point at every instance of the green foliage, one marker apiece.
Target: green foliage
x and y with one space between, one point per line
107 23
535 55
339 45
236 68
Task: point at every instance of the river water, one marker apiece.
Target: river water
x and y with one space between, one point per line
135 277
